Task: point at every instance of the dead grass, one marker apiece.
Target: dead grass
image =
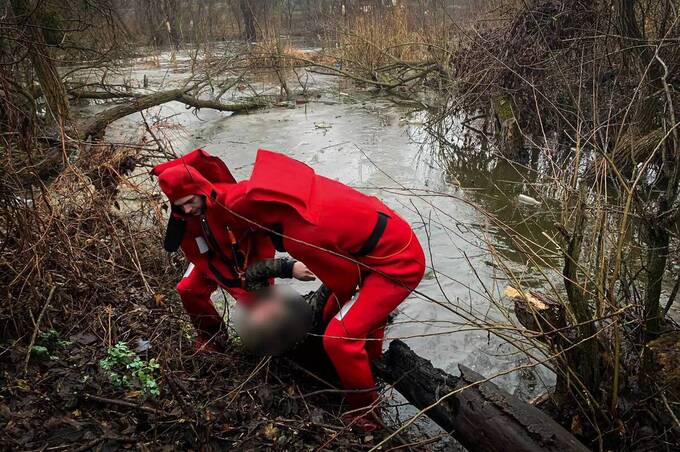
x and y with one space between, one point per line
371 42
275 53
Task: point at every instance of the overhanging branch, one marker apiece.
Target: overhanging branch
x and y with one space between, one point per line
96 126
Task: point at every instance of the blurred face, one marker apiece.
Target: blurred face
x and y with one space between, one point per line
274 323
267 312
190 205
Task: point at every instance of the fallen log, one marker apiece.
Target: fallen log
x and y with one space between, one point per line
480 415
100 95
97 125
245 106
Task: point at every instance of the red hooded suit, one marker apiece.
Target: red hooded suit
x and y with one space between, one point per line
206 241
349 240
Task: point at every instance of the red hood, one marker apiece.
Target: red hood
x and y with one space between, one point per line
279 178
212 168
180 181
192 174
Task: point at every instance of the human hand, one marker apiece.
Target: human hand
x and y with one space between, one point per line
302 273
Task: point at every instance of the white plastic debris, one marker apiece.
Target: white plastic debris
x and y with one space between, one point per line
142 345
528 200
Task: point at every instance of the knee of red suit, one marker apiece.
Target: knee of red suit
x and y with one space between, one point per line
242 296
374 344
197 303
192 288
349 356
195 294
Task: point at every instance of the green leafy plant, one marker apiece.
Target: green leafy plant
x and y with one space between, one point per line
126 370
40 353
52 340
47 345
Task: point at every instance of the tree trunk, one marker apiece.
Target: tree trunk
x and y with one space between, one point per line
508 133
583 359
50 82
627 22
248 20
173 24
657 254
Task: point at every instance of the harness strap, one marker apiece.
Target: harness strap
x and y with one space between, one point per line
373 239
226 282
277 238
212 243
214 248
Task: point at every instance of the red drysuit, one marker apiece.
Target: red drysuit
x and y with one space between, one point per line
347 239
212 260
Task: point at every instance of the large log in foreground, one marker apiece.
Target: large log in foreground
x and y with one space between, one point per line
482 417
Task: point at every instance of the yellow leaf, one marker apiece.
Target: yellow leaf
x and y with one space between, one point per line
271 432
159 299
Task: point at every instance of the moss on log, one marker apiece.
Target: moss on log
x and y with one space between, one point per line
508 133
661 359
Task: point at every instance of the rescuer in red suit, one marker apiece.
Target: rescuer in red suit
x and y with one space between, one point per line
349 240
218 245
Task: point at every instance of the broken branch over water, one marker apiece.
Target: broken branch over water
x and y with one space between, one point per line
96 127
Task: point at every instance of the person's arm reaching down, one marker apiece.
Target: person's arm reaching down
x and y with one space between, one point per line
258 274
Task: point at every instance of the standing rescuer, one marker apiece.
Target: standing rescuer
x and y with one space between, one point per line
349 240
218 245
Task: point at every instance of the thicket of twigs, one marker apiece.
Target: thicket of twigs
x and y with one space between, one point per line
589 89
73 234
